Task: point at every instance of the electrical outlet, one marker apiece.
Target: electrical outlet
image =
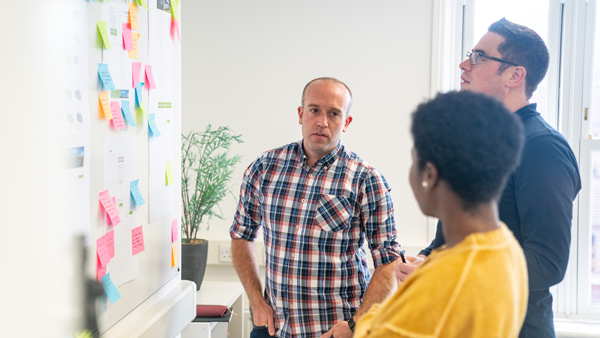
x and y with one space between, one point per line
225 252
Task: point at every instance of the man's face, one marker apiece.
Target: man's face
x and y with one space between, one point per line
323 117
483 77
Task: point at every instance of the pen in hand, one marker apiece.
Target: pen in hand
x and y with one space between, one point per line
402 256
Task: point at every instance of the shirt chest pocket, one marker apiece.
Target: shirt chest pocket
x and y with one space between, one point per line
333 213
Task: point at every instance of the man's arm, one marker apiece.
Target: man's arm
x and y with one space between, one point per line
380 287
245 263
545 187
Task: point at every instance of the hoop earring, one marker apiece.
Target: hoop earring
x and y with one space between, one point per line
425 184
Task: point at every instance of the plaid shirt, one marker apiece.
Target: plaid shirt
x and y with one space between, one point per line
315 221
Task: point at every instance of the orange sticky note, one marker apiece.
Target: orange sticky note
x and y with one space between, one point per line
133 16
103 97
133 54
174 256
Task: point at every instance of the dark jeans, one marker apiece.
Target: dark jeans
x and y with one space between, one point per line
260 332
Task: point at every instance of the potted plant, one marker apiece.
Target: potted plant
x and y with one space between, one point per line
205 173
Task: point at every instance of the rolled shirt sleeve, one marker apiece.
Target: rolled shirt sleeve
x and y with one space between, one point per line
248 216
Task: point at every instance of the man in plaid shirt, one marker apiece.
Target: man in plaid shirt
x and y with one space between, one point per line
317 203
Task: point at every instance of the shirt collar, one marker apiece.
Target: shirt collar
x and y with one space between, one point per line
326 160
528 110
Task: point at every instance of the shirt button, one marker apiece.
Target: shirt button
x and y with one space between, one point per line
292 282
293 255
303 200
297 227
293 306
309 175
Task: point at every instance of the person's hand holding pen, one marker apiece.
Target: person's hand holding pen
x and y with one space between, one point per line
406 265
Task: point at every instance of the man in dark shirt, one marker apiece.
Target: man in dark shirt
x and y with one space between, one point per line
508 63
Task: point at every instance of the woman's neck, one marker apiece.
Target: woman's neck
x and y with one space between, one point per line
457 223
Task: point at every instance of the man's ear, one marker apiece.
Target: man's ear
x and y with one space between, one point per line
348 121
515 76
300 112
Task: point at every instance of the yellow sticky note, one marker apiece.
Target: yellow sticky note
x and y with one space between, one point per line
84 334
143 3
174 260
103 97
174 5
133 54
133 19
104 33
169 172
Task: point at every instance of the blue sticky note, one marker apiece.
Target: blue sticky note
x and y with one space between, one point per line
152 125
104 74
138 93
135 192
110 288
127 113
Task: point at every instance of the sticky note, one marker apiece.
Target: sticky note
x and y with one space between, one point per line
104 74
117 219
100 270
85 333
135 192
174 260
103 97
175 29
150 77
152 125
110 207
135 72
174 231
137 240
110 289
133 16
118 121
133 54
104 33
102 251
169 173
138 94
174 5
127 113
143 3
110 243
127 39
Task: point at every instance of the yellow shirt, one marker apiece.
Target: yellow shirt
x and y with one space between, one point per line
477 288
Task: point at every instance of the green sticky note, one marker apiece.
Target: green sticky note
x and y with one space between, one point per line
84 334
142 3
174 4
169 172
115 94
104 33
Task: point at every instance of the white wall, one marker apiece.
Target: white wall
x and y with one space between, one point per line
245 64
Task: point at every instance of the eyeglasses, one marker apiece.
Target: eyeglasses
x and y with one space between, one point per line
474 58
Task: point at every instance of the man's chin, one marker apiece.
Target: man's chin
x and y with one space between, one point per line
465 86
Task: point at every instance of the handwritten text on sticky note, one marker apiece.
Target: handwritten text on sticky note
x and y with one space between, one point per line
104 74
110 207
135 72
127 113
118 121
135 192
137 240
110 243
174 231
150 77
133 54
127 39
102 251
105 102
133 15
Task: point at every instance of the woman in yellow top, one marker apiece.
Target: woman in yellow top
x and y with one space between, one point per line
465 146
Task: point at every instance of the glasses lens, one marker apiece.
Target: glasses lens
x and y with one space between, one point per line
474 57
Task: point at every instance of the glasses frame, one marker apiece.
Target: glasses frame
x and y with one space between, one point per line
480 55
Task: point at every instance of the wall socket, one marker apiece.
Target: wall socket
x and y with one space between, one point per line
225 252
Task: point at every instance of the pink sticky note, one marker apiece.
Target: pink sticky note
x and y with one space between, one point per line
110 243
127 37
102 251
174 29
135 73
100 270
150 77
117 120
137 240
174 232
110 207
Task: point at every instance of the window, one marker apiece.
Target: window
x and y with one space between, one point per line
595 107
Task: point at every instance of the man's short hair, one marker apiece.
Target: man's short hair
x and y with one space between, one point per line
524 47
472 140
331 79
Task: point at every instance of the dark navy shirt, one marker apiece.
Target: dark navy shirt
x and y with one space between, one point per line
537 206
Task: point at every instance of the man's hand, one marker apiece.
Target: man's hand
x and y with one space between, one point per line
403 270
262 314
339 330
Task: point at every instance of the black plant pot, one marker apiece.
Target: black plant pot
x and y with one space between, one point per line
193 262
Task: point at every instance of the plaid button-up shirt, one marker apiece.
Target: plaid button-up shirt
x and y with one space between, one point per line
315 221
